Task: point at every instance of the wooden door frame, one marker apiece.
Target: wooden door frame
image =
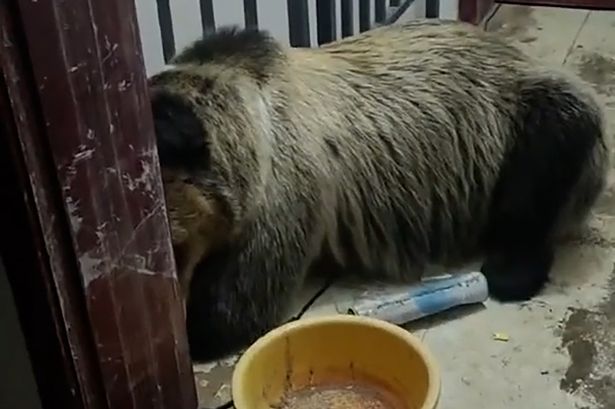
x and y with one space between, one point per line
85 239
474 11
585 4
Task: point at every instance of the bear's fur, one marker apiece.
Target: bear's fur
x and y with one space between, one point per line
425 142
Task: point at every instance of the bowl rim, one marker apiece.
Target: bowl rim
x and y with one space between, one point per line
433 370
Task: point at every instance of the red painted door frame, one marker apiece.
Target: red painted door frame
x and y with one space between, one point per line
474 11
87 255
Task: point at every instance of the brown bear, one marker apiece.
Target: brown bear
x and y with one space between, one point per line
425 142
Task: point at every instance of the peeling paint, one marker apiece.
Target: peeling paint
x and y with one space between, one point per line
147 177
77 67
100 232
124 85
206 367
82 154
74 215
111 49
90 267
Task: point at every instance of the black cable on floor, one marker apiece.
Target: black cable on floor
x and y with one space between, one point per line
312 300
494 10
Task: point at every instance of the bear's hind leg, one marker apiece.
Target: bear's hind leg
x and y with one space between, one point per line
558 137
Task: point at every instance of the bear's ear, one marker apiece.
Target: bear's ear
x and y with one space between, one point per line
180 135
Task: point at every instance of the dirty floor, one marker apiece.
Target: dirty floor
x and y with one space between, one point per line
561 347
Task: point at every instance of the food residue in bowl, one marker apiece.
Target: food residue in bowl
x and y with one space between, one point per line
350 395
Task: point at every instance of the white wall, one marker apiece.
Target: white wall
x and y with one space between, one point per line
151 43
416 10
449 9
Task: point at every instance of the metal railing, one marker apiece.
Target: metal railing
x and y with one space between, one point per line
169 25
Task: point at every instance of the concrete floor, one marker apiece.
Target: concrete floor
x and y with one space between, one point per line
561 351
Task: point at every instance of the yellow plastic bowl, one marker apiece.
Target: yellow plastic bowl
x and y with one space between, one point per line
336 362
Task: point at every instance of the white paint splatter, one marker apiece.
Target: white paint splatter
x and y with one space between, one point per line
74 214
83 153
90 268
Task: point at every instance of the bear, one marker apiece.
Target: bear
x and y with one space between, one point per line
426 142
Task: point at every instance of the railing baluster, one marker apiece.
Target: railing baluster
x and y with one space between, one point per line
208 22
381 11
432 8
166 29
298 24
250 13
347 18
365 15
326 21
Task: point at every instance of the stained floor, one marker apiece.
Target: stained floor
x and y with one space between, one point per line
561 347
